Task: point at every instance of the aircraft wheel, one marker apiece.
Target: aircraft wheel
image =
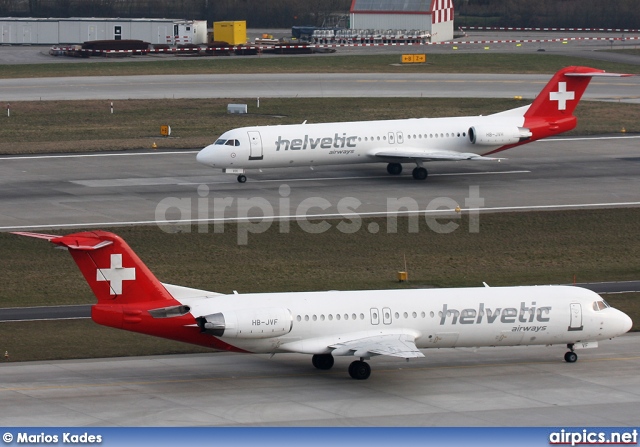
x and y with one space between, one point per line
242 178
570 357
322 361
394 168
420 173
359 370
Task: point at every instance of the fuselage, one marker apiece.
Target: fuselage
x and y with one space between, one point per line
309 322
357 142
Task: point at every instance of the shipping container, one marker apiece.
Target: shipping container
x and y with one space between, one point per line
51 31
234 33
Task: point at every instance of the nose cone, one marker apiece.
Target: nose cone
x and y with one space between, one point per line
205 156
626 322
620 323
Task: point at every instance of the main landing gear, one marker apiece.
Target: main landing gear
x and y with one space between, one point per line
359 370
394 168
242 178
322 361
570 357
419 172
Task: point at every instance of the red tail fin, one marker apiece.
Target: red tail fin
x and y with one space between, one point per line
552 111
114 272
129 295
562 93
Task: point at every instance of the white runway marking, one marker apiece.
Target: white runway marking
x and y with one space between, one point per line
326 216
111 154
120 182
130 154
627 137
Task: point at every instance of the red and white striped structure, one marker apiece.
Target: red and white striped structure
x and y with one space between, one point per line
442 11
432 16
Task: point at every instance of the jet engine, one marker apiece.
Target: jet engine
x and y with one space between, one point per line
248 323
488 136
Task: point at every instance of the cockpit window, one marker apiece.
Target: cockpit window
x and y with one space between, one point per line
600 305
232 143
221 141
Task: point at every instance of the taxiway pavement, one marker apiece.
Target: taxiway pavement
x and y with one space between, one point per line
519 386
313 85
171 188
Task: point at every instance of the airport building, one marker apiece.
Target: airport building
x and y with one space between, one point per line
432 16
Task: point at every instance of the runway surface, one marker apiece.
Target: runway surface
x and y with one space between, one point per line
521 386
100 190
288 85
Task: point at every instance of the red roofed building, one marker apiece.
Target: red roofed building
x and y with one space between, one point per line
433 16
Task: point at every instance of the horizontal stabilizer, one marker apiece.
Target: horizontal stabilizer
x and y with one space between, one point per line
601 74
47 237
78 241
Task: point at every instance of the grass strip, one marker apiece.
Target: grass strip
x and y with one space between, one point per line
459 62
81 126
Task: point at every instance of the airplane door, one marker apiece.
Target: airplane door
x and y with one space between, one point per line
256 145
576 317
375 316
386 315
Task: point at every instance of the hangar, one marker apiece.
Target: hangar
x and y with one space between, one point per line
433 16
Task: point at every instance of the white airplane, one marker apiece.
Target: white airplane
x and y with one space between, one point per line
403 141
360 324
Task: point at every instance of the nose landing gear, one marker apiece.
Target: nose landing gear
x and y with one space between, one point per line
570 356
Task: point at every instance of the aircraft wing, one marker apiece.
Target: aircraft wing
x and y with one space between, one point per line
426 155
395 345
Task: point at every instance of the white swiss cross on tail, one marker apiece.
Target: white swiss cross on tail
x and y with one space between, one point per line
562 96
116 274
